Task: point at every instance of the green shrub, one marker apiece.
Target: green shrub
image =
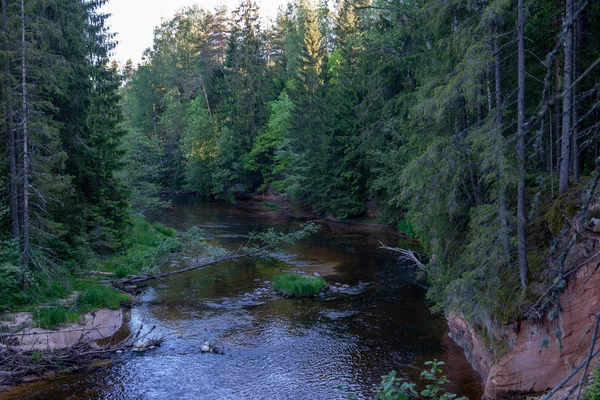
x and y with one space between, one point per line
592 390
150 245
295 285
100 296
11 293
405 227
52 317
395 388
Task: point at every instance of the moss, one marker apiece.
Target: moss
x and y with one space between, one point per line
562 209
294 285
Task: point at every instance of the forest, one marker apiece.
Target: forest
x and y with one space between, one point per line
472 126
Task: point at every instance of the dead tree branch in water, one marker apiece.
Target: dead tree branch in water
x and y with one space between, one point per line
16 364
271 240
414 257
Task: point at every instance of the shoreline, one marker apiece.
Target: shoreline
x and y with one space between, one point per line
98 326
286 207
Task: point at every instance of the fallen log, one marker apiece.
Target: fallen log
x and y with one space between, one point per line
130 283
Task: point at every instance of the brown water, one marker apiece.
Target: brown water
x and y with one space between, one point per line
284 349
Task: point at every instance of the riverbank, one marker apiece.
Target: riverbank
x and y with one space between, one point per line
277 203
555 337
302 348
76 312
271 202
29 353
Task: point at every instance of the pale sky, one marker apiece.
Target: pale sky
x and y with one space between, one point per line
134 20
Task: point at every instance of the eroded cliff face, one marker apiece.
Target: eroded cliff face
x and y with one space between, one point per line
540 355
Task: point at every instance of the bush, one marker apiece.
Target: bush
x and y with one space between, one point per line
11 293
294 285
100 296
151 245
592 391
405 227
51 317
395 388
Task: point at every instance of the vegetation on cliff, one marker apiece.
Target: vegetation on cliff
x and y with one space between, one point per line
470 125
473 126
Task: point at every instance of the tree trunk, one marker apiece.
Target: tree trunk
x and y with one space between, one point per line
567 100
521 213
14 194
26 250
578 39
205 94
502 212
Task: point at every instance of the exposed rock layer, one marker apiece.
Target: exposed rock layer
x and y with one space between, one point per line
540 355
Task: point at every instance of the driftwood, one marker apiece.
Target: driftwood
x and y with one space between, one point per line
97 273
15 365
129 283
414 257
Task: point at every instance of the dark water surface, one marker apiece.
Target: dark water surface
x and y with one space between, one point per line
286 348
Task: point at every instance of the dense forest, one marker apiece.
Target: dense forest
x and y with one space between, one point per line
61 129
471 125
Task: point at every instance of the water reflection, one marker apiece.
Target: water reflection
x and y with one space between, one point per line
284 349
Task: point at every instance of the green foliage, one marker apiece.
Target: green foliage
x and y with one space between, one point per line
405 227
262 158
141 173
52 317
434 389
273 237
35 357
294 285
11 277
97 296
394 388
11 287
199 146
592 390
148 247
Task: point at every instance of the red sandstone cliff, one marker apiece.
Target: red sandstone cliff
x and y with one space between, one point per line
537 360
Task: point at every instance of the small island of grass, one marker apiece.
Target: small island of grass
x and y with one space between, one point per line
294 285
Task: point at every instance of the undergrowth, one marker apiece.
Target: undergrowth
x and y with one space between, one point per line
148 246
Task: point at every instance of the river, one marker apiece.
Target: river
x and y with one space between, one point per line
285 348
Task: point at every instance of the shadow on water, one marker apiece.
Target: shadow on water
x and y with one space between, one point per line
285 348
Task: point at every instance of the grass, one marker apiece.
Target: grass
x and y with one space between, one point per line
93 296
150 245
52 317
100 296
295 285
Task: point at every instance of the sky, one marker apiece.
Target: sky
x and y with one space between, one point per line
134 20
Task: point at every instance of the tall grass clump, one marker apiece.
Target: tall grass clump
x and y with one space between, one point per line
97 296
52 317
295 285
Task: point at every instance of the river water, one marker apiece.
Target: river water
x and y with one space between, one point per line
285 348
